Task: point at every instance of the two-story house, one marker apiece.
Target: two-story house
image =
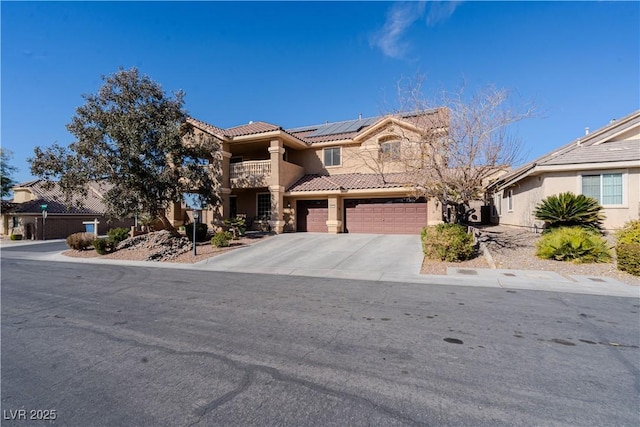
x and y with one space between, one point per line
334 177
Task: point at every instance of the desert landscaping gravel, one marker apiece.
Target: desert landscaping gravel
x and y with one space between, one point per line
514 249
510 248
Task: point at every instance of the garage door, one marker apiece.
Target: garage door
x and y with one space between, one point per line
312 215
385 216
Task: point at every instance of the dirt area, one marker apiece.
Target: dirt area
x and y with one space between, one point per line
204 250
514 249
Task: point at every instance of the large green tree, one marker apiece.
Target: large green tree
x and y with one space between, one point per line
6 172
134 138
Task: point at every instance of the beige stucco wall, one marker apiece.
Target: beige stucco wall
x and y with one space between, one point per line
290 173
361 157
633 133
528 192
21 195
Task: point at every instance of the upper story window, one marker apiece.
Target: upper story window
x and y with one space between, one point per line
331 156
606 188
390 150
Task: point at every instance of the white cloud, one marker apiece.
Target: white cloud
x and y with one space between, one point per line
390 38
440 11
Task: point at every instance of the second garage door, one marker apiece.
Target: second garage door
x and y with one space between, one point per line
384 216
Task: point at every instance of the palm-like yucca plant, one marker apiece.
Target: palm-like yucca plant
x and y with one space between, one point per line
568 209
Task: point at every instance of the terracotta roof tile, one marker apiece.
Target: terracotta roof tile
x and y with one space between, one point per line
349 181
205 126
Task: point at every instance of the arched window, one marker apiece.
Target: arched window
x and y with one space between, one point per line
390 148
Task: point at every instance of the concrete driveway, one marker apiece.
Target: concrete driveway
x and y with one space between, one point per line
361 256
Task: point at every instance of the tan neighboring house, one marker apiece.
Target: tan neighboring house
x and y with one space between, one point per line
23 215
324 178
604 164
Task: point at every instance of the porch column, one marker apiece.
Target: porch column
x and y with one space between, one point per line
334 221
226 203
276 150
175 214
226 183
226 167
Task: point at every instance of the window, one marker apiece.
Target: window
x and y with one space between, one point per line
510 201
15 222
390 150
606 188
332 156
264 205
497 204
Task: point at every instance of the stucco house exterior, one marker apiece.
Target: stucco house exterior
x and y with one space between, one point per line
604 164
322 178
23 215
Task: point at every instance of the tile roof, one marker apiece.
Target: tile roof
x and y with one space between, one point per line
250 129
54 199
615 151
334 131
305 136
349 181
592 148
205 126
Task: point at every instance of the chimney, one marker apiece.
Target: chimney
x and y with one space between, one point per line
360 116
586 131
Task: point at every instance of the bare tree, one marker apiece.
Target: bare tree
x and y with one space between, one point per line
455 144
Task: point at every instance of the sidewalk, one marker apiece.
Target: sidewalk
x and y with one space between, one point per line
476 277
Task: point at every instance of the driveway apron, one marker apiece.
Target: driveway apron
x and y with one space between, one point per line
356 255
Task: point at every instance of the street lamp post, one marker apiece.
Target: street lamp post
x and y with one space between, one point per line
195 223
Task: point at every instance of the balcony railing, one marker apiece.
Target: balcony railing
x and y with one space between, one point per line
250 168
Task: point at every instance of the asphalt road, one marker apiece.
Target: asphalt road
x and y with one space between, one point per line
106 345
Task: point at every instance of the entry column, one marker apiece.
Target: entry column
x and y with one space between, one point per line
334 220
276 150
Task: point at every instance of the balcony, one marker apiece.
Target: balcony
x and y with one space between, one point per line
250 174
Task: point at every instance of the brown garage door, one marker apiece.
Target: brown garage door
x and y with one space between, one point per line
385 216
312 215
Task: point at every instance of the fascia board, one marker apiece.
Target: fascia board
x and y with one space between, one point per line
589 166
357 192
256 137
381 124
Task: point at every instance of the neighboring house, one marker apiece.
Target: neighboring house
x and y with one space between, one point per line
23 215
604 164
324 178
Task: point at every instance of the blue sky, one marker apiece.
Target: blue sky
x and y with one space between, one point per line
295 63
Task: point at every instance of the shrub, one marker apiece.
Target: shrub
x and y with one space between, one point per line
221 239
568 209
201 231
103 246
630 233
447 242
80 241
628 248
117 235
237 226
575 244
16 237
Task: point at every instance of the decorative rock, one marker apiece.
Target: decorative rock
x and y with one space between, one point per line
163 245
